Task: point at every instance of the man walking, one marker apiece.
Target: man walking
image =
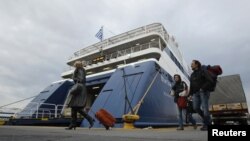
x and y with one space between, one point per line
200 81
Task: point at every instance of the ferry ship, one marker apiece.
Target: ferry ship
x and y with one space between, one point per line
128 73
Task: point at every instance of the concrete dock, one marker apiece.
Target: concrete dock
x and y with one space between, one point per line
35 133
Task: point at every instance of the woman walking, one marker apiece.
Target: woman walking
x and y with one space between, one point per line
78 96
180 92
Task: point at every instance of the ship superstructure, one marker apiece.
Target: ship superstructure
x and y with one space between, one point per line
150 41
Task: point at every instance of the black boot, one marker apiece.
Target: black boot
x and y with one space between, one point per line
91 122
89 118
71 126
73 121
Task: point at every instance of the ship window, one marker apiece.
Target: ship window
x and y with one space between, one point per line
108 90
137 48
128 51
144 47
107 68
114 55
44 91
108 57
89 72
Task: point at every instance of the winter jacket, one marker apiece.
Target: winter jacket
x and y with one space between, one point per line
179 89
200 80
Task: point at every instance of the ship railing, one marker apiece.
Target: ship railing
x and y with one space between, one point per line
59 109
120 53
35 114
34 110
128 51
158 28
45 113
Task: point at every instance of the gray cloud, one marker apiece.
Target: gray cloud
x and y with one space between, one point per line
37 37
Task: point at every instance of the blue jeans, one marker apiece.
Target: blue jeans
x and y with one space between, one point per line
189 116
200 100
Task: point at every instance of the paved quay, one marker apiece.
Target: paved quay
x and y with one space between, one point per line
35 133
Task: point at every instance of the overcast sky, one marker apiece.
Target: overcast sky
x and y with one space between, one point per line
38 36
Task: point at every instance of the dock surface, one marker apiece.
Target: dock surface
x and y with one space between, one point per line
39 133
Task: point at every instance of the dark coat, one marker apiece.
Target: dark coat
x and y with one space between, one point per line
200 80
78 99
177 88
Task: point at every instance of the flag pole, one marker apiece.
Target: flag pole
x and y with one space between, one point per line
101 51
102 34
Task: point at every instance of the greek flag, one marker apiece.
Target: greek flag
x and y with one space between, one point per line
99 34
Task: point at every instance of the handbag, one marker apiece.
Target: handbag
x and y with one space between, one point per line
182 102
190 108
76 89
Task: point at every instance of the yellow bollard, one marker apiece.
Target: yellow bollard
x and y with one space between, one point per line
129 121
2 122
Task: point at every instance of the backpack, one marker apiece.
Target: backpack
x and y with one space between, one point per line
213 71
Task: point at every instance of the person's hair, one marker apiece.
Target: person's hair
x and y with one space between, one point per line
177 76
197 63
78 64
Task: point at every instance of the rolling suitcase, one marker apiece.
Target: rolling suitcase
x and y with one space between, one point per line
105 118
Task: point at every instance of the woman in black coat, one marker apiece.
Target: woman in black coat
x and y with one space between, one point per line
78 96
